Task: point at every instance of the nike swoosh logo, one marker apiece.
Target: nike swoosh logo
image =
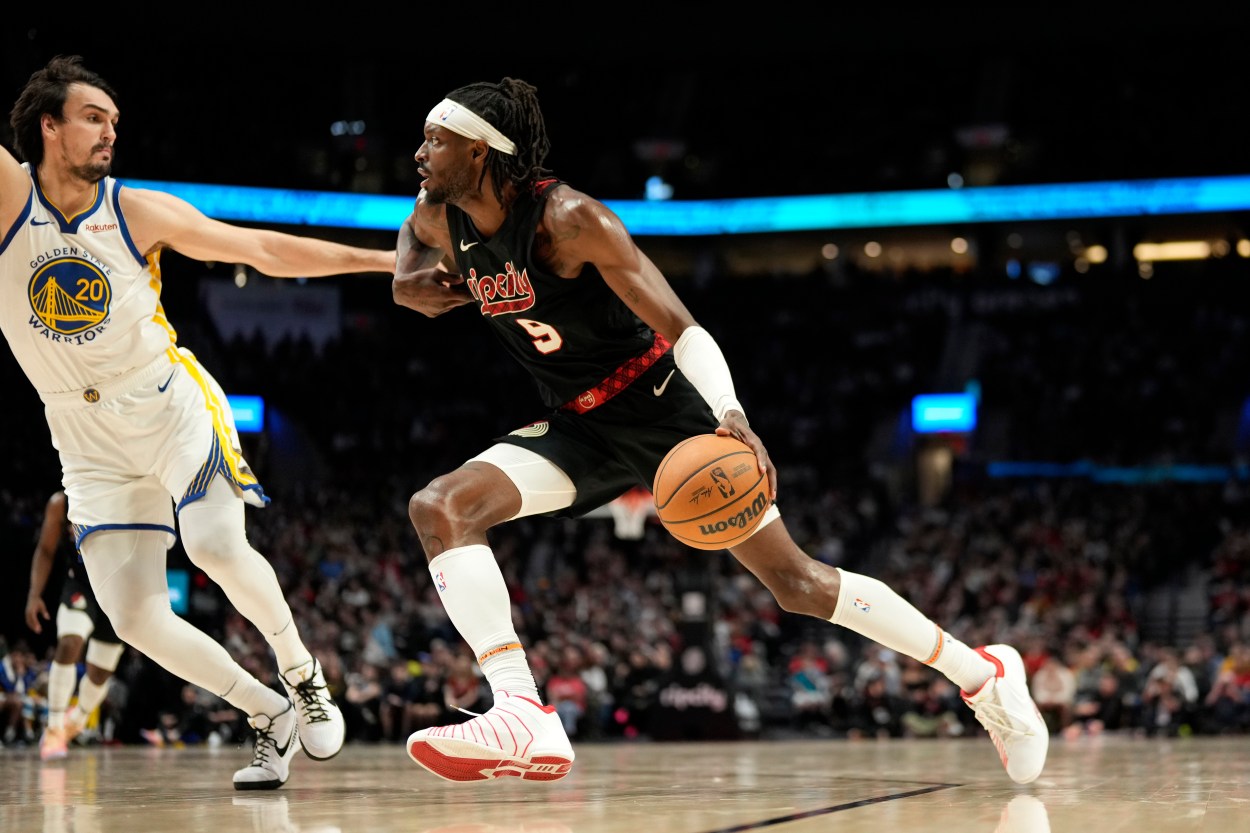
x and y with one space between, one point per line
282 749
161 388
464 247
40 222
659 389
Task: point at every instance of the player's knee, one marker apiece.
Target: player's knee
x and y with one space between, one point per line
135 620
212 549
809 588
68 648
436 509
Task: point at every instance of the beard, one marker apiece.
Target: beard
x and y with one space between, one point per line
92 171
453 190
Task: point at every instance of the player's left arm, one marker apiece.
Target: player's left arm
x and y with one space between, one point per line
45 555
584 230
159 220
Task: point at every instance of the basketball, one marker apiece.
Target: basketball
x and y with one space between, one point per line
709 492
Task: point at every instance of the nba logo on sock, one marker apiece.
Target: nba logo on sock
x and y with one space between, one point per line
440 581
862 605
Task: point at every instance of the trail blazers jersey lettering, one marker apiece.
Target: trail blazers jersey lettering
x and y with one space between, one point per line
569 333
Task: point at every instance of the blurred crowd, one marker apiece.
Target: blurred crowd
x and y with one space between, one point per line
1059 567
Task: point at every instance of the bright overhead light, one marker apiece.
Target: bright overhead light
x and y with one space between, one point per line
1176 250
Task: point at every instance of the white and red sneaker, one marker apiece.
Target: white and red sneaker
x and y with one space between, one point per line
1003 706
516 737
75 722
54 745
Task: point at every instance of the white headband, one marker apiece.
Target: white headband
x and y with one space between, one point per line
460 119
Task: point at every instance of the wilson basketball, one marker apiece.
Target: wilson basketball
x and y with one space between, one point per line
709 492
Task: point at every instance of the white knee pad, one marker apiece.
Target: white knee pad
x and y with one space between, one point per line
544 487
70 622
104 655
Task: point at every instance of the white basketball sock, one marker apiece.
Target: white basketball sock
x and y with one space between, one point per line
288 647
475 596
61 679
91 695
868 607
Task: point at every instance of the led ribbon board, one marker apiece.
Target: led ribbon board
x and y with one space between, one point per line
993 204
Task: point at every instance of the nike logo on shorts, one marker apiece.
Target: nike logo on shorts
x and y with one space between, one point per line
161 388
464 247
659 389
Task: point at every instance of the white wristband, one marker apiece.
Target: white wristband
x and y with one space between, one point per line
699 357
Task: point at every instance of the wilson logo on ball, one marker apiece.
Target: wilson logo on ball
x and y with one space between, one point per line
746 519
709 492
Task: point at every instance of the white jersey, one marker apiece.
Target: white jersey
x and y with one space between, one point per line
135 419
79 304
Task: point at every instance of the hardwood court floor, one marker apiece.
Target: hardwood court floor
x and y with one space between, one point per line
1106 785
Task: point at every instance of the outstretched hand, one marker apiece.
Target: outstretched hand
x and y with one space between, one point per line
430 291
735 425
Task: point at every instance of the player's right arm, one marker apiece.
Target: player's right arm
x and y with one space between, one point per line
45 556
423 281
14 190
158 220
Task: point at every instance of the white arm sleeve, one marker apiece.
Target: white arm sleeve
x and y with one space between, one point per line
700 359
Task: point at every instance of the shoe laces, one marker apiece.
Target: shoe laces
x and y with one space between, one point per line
311 701
264 742
994 717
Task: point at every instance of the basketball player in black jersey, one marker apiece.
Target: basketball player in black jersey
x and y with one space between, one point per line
79 624
627 373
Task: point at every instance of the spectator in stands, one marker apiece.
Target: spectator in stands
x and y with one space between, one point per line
566 690
599 701
932 709
1227 705
1169 696
399 692
426 708
19 693
362 702
875 712
462 687
1054 691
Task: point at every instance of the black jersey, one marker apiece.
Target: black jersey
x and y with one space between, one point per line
571 334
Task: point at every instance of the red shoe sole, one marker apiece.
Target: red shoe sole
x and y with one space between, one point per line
457 768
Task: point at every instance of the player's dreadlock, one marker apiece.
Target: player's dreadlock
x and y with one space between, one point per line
511 107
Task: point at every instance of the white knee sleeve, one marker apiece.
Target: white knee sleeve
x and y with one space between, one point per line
213 535
70 622
104 655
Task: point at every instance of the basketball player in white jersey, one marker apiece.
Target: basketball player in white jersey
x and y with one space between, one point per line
142 429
